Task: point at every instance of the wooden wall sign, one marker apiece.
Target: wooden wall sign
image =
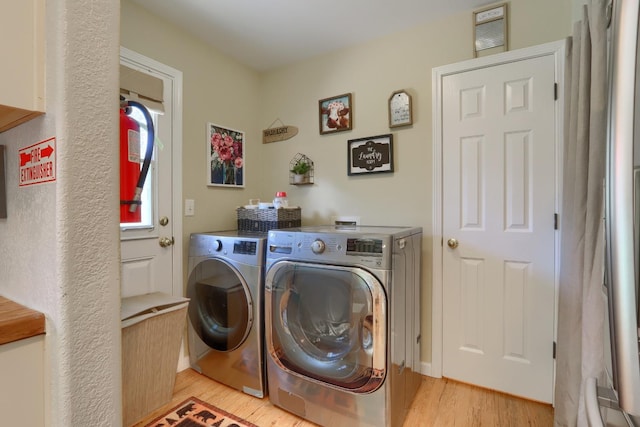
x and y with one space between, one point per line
278 134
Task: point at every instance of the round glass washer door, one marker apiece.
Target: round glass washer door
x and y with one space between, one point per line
221 308
327 323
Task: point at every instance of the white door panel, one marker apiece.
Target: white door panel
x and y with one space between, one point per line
498 203
146 265
142 268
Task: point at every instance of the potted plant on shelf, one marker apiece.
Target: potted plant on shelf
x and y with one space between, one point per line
300 170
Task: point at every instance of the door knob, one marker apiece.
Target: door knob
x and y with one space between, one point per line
453 243
165 241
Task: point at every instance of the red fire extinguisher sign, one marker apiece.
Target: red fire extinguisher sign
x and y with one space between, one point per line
37 163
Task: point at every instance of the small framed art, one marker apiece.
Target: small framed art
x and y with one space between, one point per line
490 30
400 113
225 156
370 155
336 114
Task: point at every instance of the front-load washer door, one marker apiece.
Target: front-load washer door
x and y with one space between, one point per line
327 323
221 308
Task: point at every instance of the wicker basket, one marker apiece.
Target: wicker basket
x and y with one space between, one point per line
263 220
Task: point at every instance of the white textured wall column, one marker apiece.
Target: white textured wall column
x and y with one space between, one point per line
83 55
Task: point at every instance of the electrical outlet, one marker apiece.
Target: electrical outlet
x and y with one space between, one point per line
189 207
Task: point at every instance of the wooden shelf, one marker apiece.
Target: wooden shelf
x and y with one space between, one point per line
308 177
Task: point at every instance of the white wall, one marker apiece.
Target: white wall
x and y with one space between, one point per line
59 246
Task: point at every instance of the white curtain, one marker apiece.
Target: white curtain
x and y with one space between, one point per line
581 311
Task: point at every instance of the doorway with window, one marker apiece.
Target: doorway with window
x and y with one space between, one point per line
149 261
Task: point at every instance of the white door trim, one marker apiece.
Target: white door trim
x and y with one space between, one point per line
557 49
135 58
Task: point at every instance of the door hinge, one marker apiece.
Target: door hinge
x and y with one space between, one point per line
555 91
555 221
554 350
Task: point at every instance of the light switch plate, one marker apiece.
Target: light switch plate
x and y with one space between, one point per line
189 207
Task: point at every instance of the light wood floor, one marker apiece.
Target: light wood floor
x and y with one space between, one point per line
439 402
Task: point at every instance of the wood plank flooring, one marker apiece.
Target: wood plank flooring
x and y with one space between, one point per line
439 402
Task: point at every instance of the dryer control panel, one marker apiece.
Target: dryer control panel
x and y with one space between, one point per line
245 247
229 245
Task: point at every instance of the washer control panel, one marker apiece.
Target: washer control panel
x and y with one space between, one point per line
373 251
362 246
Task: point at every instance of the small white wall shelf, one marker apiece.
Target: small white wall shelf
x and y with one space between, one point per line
301 179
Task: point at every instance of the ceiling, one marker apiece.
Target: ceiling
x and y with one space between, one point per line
265 34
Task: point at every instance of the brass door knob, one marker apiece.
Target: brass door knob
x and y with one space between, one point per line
452 243
165 241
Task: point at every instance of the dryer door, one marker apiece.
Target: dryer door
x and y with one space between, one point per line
220 310
327 323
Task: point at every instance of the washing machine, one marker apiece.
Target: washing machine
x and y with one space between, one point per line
225 327
342 323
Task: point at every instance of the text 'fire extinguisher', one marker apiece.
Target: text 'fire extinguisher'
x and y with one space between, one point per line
132 176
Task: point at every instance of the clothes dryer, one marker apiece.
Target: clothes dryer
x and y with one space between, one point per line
225 287
342 323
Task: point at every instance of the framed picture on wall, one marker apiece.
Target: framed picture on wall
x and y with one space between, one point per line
370 155
400 109
225 156
336 114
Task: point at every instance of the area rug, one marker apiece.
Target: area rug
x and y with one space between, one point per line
193 412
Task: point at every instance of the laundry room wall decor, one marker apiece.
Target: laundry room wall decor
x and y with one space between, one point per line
336 114
281 133
370 155
225 156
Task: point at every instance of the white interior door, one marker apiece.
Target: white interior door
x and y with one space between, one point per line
498 206
150 262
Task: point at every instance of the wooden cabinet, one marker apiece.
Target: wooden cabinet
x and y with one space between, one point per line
22 385
21 365
22 72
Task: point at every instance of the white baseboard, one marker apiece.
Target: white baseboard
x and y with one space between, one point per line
183 360
425 368
183 363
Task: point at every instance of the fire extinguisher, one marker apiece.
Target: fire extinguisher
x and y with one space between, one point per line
132 177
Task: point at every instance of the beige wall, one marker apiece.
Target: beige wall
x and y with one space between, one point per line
215 89
371 72
218 89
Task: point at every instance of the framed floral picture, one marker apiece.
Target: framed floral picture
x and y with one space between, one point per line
225 156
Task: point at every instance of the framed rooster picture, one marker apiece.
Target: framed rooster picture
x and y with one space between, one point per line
336 114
